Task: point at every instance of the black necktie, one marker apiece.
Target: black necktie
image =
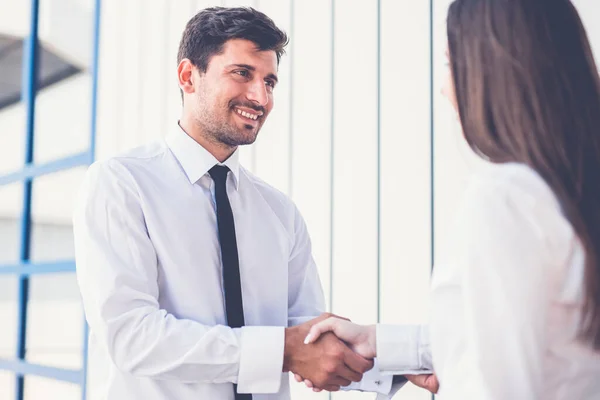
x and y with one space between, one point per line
234 306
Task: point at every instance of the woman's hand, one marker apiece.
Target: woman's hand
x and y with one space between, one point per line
427 382
360 338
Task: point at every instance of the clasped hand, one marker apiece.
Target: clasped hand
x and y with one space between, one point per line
327 362
356 343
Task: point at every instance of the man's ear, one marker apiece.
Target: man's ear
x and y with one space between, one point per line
185 75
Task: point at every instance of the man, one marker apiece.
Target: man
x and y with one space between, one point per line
197 277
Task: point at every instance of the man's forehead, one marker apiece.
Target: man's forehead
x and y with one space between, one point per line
241 51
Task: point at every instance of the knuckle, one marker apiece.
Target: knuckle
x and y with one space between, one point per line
366 367
338 353
330 368
321 381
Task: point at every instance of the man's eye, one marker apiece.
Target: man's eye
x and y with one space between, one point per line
270 84
242 72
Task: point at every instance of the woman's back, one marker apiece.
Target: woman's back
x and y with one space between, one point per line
507 306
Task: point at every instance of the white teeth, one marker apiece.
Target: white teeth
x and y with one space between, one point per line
247 115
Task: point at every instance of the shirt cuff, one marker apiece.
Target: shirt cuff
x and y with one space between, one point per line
397 384
400 347
261 359
373 381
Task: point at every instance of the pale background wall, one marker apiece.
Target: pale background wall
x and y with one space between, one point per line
361 175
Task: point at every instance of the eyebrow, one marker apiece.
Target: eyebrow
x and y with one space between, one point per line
251 68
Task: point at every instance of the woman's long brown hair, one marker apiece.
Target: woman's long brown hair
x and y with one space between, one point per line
528 91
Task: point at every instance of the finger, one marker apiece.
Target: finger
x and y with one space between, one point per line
428 382
344 318
308 383
320 328
356 362
347 373
331 388
433 384
330 315
298 378
338 380
418 380
335 379
317 390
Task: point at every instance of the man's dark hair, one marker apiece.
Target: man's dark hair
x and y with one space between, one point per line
206 33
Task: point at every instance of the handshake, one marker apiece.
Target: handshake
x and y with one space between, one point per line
329 352
325 362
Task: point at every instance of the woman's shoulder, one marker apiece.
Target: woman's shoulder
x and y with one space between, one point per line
513 200
516 183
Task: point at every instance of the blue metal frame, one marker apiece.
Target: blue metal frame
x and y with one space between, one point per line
432 133
24 269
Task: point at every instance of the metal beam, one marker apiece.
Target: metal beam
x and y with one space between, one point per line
27 268
31 171
22 368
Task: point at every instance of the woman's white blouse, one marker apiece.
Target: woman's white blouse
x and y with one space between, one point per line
506 307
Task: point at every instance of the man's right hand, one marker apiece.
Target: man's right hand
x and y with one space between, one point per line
328 363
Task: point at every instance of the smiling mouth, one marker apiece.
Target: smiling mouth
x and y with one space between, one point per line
250 115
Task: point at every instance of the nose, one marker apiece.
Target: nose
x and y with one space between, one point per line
257 93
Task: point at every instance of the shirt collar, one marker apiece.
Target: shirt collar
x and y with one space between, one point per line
195 160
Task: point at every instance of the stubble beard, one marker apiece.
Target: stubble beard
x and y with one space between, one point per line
223 132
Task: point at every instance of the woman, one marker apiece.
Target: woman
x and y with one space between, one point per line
516 314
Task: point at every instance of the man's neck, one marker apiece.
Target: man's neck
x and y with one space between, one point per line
219 150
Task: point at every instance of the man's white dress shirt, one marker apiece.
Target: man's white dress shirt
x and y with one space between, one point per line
506 307
150 274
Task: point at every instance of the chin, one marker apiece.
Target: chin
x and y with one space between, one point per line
249 134
241 139
248 139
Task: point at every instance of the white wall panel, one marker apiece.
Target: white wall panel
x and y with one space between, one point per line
405 166
310 110
311 129
155 61
354 292
107 113
405 160
355 161
130 66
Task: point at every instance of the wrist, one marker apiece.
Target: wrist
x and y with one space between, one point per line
290 342
372 338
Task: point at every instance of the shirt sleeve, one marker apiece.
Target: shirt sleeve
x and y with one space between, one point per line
118 278
505 269
305 293
403 349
